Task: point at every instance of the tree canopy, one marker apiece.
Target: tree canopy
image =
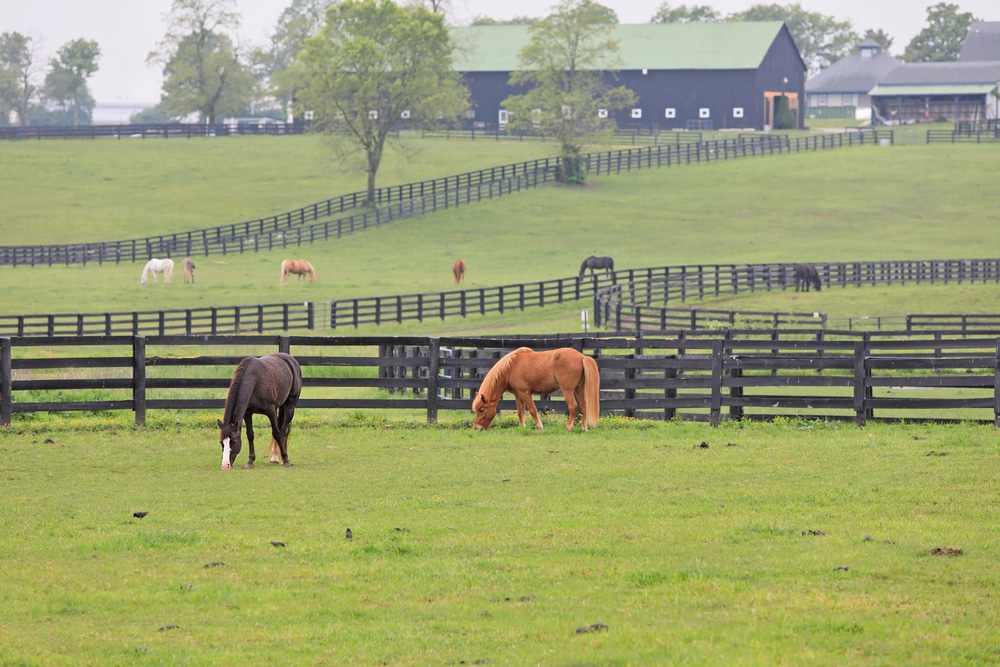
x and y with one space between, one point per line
942 39
202 69
569 55
18 65
66 82
822 40
374 65
685 14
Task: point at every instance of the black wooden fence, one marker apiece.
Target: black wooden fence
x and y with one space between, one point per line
694 375
639 302
294 228
150 130
632 300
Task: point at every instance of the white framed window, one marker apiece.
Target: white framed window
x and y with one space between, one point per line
566 111
470 114
704 112
636 113
308 115
670 112
821 100
404 114
502 117
847 100
373 114
737 112
602 113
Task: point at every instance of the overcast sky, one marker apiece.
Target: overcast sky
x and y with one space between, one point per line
127 30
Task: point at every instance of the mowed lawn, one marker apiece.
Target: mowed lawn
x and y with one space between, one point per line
907 202
632 544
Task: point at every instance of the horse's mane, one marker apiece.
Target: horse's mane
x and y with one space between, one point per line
495 381
234 392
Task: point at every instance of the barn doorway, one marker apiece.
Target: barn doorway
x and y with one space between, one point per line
771 107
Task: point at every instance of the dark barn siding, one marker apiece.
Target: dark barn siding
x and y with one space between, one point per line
687 91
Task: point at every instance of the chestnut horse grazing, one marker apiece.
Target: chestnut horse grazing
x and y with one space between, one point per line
805 275
524 372
458 268
299 267
268 385
154 266
189 268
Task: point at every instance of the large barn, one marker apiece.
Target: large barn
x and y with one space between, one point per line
685 76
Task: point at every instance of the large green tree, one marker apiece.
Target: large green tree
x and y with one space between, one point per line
566 67
822 40
685 14
942 39
18 65
277 65
202 69
66 82
374 65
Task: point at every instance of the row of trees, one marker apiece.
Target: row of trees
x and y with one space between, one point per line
63 97
822 40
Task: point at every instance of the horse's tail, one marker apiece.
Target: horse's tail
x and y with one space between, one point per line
312 273
284 272
591 391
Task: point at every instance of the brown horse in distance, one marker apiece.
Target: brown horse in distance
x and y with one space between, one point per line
189 268
594 263
524 372
806 275
299 267
458 269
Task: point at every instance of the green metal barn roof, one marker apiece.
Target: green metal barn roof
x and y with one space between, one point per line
655 46
883 90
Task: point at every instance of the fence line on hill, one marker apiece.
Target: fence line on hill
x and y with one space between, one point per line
697 376
635 300
395 202
150 130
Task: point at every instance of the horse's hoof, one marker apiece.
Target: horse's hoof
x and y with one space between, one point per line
275 461
248 466
287 464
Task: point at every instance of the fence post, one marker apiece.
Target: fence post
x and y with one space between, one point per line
433 366
284 344
996 382
715 410
139 379
6 383
860 390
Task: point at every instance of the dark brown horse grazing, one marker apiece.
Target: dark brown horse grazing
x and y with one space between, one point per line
594 263
524 372
805 275
458 268
268 385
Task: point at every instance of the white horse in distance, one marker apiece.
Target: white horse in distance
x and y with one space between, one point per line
154 266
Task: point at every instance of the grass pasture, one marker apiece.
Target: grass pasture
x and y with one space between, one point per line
906 202
789 543
786 543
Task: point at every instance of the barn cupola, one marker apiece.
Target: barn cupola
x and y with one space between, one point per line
869 48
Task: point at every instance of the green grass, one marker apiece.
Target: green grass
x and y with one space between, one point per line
510 540
853 204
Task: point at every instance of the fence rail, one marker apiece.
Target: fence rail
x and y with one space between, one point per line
640 301
634 300
695 375
302 225
149 130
